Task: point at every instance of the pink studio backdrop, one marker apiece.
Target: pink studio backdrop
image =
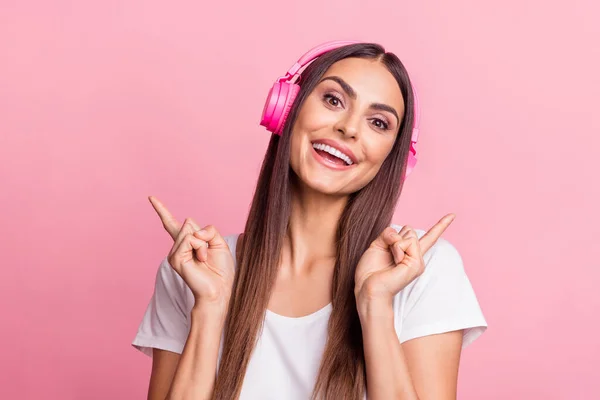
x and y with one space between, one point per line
103 103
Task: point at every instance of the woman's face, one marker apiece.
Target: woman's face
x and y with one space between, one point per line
354 112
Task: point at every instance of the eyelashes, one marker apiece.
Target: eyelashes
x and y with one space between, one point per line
333 100
383 125
327 97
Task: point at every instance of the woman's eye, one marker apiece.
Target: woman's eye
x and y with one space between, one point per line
332 100
380 124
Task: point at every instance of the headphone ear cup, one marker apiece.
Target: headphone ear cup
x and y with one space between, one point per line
410 165
292 93
412 158
278 105
268 119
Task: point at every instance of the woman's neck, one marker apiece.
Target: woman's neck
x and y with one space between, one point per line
311 235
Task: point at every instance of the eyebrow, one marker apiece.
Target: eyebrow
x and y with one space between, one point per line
350 92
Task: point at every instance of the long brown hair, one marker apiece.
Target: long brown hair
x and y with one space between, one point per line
367 213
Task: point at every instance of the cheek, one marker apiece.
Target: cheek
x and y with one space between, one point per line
377 150
299 147
295 149
314 116
311 119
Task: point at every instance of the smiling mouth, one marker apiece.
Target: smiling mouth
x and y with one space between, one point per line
332 154
330 161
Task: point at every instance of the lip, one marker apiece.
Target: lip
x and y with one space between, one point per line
344 149
329 164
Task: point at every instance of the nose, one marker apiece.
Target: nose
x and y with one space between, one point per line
348 125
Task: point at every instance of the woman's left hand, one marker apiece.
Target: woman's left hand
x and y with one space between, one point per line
392 261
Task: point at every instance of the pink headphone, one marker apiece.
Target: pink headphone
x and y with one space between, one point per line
284 91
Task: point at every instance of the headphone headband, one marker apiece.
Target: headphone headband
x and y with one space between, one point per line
311 55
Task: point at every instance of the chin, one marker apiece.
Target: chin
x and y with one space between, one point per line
326 185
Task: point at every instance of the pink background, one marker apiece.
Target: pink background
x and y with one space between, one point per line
103 103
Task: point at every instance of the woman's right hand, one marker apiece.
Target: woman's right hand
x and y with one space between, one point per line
200 256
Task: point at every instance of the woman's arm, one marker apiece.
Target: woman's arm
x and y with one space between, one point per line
196 371
422 368
164 364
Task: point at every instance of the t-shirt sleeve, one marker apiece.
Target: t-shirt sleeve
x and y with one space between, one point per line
165 324
441 300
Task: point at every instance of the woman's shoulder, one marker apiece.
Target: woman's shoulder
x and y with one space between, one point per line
443 252
234 241
441 299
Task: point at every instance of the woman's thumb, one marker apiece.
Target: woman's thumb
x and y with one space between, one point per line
210 235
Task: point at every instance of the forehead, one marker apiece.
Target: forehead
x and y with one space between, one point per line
370 79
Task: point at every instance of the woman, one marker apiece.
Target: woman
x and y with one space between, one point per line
320 297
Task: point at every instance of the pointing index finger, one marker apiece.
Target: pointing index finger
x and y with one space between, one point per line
171 225
433 234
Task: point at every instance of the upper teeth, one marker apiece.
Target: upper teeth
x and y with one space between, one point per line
333 152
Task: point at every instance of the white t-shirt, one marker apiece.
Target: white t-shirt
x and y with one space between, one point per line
286 359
